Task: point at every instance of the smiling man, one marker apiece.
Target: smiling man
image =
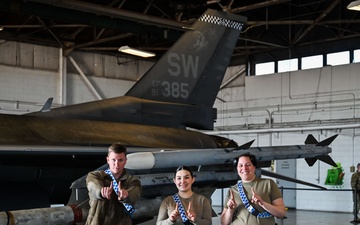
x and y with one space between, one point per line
112 192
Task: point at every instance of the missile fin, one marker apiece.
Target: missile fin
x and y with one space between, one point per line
327 159
245 146
327 141
310 161
310 140
231 143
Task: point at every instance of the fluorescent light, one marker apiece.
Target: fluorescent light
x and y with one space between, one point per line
137 52
212 1
355 5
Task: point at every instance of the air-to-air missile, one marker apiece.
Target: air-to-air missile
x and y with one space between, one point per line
311 151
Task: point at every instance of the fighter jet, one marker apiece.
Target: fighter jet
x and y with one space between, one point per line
43 154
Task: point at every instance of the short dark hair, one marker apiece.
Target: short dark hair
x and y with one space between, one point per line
117 148
247 154
184 168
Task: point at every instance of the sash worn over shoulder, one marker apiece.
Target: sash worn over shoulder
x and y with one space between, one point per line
129 209
249 207
181 209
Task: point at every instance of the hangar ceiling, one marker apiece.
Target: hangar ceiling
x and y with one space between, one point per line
276 29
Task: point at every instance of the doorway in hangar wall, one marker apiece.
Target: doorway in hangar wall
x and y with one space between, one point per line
287 168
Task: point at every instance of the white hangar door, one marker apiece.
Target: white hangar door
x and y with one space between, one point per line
287 168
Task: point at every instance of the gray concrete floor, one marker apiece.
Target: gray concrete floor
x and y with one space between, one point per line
301 217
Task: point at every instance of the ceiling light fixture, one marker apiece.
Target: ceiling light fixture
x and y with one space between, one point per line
1 28
212 1
355 5
137 52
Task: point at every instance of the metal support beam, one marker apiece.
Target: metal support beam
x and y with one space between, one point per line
83 76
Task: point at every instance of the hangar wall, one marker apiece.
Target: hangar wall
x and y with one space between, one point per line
30 74
297 104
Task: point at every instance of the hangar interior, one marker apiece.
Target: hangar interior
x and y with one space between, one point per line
47 52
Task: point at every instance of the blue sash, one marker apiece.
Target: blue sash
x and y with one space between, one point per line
129 209
181 209
249 207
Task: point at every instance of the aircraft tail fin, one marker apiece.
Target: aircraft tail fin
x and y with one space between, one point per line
191 72
47 106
